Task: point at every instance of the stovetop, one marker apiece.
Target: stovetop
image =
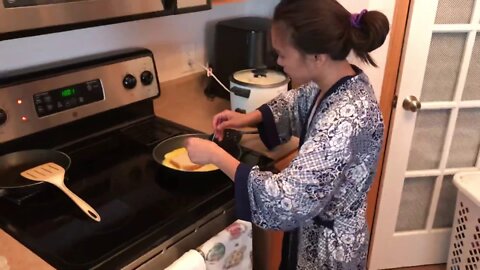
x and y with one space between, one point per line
115 173
98 110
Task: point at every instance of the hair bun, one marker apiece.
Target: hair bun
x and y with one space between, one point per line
371 34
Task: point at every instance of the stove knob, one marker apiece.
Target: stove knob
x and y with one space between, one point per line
3 117
146 77
129 81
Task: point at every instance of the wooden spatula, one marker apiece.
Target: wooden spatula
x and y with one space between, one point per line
54 174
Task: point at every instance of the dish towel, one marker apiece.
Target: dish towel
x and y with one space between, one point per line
230 249
190 260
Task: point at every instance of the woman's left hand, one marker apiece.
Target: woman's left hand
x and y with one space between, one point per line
201 151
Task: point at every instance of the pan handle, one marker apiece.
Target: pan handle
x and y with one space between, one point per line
249 132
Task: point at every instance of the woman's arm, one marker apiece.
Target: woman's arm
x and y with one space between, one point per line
207 152
231 119
285 115
227 163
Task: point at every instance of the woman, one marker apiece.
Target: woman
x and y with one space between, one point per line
319 200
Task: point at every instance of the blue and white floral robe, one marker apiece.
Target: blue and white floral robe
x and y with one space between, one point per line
320 198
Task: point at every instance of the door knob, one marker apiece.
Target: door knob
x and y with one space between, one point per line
411 103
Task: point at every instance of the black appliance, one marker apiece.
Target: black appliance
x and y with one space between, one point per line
240 43
99 111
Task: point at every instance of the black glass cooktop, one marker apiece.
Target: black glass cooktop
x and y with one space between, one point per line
139 205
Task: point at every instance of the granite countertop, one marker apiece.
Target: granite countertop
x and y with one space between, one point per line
181 101
15 256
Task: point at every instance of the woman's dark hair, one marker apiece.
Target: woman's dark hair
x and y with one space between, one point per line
325 27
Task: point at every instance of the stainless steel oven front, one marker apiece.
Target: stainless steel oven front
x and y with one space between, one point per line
99 111
22 17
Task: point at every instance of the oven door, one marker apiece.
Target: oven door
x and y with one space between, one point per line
29 17
167 252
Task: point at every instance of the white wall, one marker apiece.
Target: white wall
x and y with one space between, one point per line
173 39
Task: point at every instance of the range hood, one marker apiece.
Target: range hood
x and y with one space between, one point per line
19 18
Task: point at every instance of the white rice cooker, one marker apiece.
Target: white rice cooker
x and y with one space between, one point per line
251 88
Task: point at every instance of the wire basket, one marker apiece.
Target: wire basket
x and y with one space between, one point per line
464 252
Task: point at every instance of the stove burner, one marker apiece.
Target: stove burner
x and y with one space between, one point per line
182 184
115 215
38 194
150 133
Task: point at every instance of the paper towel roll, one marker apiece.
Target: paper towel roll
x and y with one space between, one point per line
190 260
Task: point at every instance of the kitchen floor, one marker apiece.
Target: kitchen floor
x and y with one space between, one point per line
425 267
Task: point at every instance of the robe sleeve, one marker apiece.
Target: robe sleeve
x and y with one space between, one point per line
284 116
300 192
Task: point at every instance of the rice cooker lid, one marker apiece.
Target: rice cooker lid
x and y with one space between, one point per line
263 78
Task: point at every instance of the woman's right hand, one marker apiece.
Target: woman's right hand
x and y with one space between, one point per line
231 119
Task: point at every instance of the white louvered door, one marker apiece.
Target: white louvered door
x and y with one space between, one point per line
441 68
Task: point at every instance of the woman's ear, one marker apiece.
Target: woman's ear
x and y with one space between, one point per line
320 58
312 59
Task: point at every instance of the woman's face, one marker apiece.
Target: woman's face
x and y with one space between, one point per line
294 63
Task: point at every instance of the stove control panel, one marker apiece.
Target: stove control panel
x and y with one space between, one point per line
146 77
39 104
129 81
68 97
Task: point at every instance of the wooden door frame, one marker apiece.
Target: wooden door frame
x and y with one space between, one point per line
387 98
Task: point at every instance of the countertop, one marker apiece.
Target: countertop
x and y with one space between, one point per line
18 257
181 101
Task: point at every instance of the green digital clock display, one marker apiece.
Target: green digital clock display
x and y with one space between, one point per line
68 92
67 97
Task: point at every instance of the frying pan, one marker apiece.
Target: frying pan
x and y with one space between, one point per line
229 144
11 165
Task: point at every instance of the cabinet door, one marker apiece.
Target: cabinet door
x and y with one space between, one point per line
219 2
184 6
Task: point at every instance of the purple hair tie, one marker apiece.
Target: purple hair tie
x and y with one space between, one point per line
356 18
